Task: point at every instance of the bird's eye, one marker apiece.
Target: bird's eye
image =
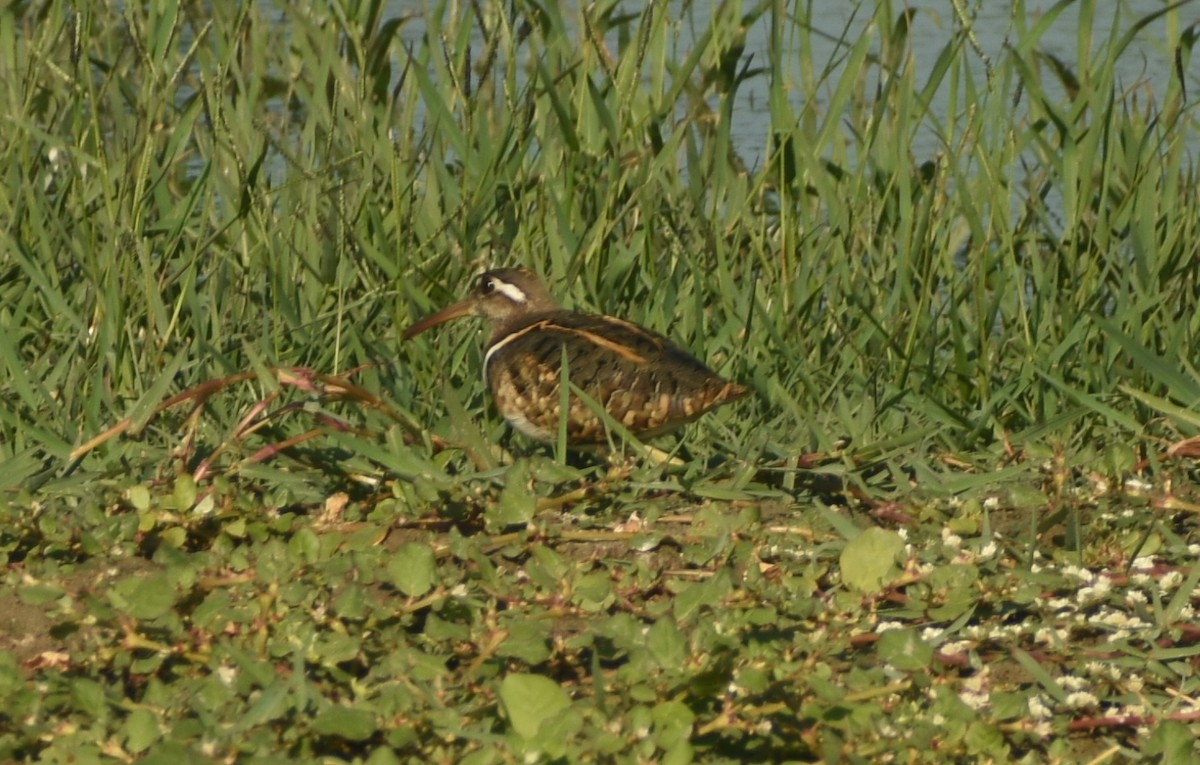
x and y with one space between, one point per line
486 285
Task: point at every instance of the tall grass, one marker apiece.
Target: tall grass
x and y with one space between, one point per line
239 517
195 192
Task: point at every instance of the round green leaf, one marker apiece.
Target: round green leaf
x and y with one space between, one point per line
868 561
530 700
144 596
413 569
905 650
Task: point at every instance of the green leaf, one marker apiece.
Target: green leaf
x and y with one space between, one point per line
530 700
139 497
868 561
413 569
141 730
88 696
673 721
1173 742
272 704
145 596
904 649
185 492
667 644
39 594
351 602
517 502
345 722
527 640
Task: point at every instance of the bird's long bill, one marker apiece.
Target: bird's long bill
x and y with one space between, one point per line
461 308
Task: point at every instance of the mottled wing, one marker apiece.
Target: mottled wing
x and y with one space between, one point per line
643 380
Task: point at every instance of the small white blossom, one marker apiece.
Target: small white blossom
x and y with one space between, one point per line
1082 574
1038 707
1099 588
1170 581
227 675
974 693
1136 485
1100 669
1051 635
1071 683
1081 700
956 647
950 539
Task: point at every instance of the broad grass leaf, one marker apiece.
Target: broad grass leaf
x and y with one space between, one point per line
868 561
413 569
530 700
14 471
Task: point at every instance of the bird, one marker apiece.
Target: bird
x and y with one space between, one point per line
639 377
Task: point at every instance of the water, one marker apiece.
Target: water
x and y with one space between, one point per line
1147 64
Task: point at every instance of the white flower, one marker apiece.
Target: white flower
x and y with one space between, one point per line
1071 683
1038 707
974 694
1099 588
1170 581
950 539
1082 574
1081 700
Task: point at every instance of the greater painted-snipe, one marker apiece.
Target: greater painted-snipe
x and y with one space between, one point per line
642 379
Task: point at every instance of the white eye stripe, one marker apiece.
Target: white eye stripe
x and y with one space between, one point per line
510 291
